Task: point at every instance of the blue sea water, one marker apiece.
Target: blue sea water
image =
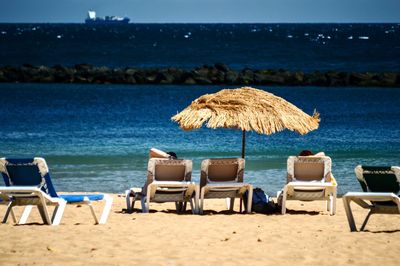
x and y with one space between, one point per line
306 47
97 137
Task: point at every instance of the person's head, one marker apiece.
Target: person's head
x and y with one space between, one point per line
172 155
305 153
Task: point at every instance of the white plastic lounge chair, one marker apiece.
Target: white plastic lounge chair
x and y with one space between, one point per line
167 181
381 186
28 183
309 178
223 178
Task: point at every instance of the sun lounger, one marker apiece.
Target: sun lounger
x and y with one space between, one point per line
309 178
28 183
167 181
381 186
223 178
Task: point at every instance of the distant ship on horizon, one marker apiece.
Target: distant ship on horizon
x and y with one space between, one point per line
92 19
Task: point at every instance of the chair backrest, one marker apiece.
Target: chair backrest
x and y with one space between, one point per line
222 170
27 172
309 168
159 169
379 178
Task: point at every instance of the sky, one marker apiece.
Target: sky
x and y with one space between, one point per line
203 11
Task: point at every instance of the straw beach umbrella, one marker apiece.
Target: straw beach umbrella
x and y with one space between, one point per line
247 109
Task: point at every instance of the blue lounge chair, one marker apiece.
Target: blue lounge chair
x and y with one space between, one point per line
28 183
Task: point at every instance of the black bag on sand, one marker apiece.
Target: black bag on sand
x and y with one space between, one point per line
262 203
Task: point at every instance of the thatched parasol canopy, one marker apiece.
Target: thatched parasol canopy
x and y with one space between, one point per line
247 109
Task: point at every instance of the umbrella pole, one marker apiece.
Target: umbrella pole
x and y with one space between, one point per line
243 142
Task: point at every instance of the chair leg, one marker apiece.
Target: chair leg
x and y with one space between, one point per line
89 203
107 208
178 206
128 200
249 199
8 211
366 221
201 201
333 205
329 203
133 204
145 204
196 199
25 214
349 214
58 213
192 206
230 203
283 201
13 215
44 214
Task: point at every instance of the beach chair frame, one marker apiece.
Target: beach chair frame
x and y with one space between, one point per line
12 193
375 202
324 189
229 190
179 192
28 196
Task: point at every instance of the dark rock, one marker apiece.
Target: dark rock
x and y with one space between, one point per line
178 75
152 76
97 75
361 78
231 77
140 76
204 75
201 72
316 79
166 78
83 67
221 67
335 78
189 81
267 79
217 76
173 76
28 73
246 77
129 76
63 74
117 76
202 81
298 78
387 79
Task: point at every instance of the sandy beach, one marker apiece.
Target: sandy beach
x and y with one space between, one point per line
307 235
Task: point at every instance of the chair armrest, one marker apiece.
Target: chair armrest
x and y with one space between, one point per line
374 196
226 184
172 183
21 191
310 184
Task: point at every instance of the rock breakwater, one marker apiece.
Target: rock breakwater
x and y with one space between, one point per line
218 74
